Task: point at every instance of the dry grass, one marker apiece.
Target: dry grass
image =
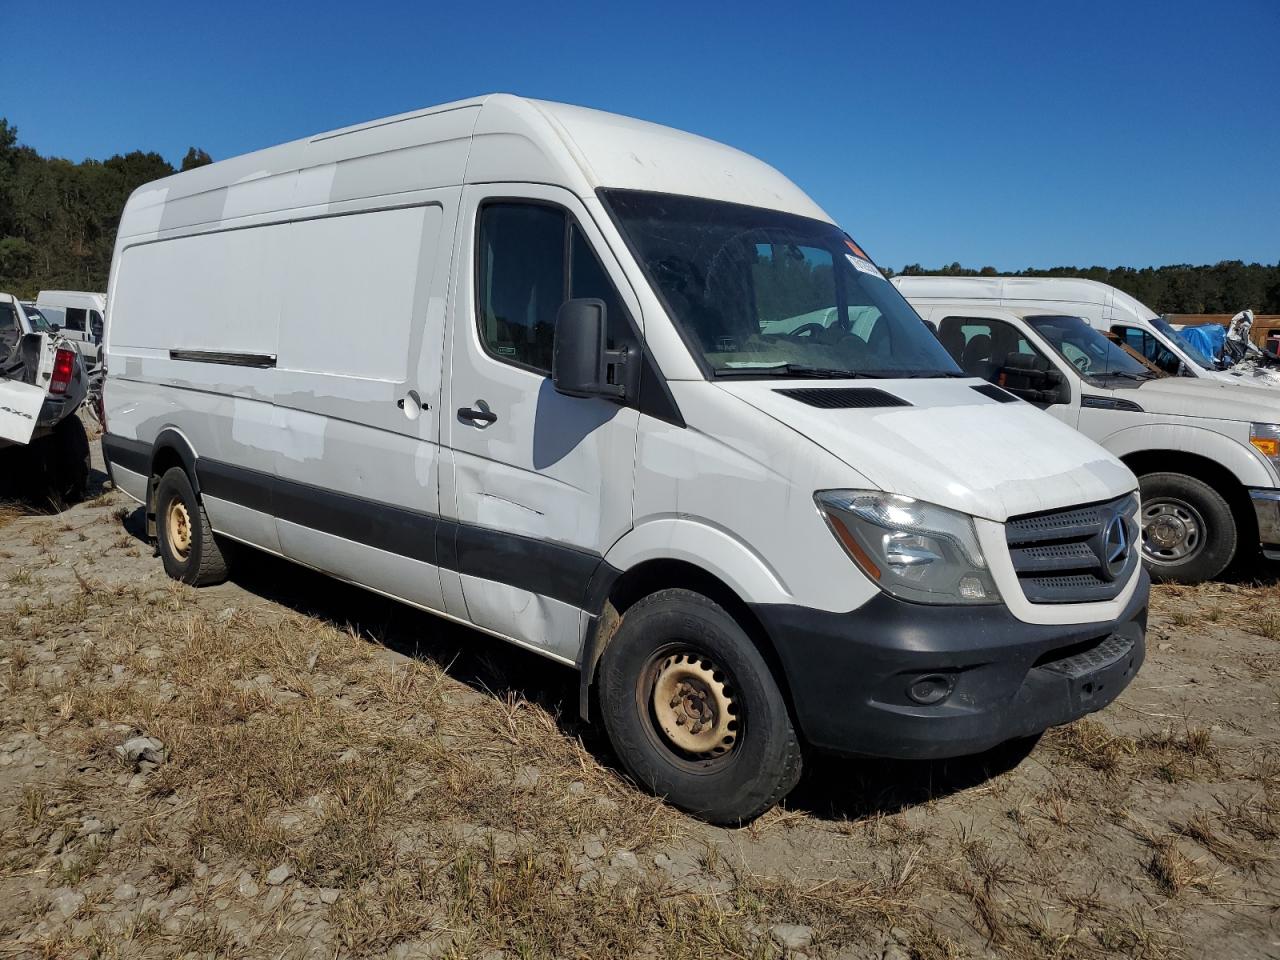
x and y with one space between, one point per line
454 819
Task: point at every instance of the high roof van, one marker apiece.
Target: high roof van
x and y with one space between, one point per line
1102 305
1207 453
80 316
628 398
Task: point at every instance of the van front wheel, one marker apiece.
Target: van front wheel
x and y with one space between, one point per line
187 545
694 712
1188 531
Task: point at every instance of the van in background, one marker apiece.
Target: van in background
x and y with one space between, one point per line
630 399
80 316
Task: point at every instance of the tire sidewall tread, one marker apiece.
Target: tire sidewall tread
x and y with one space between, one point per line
1220 533
205 563
768 757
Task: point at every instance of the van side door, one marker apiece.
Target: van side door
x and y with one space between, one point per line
357 404
540 484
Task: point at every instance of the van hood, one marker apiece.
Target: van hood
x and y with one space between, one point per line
1202 397
952 445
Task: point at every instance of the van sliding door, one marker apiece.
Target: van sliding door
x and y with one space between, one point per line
358 391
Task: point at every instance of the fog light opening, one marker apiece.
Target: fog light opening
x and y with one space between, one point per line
930 689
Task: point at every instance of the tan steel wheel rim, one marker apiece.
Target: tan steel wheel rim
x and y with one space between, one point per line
694 706
178 527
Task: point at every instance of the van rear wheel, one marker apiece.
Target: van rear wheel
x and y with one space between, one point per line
1188 530
188 549
694 712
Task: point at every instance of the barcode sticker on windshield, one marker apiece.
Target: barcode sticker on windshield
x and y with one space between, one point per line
866 266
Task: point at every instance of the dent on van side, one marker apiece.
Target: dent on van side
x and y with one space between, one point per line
628 398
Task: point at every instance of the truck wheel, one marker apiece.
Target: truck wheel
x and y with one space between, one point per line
64 461
693 710
188 549
1188 531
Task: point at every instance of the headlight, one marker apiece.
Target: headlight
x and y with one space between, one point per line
914 550
1266 438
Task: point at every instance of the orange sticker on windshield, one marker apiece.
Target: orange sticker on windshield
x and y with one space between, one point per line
855 248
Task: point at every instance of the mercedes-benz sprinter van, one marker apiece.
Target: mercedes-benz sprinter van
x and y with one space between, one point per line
1103 306
1207 453
546 371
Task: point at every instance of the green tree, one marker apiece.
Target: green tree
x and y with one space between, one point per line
195 158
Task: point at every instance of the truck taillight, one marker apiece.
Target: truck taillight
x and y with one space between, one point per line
64 365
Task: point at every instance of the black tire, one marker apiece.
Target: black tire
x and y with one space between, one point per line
63 458
762 763
201 563
1189 533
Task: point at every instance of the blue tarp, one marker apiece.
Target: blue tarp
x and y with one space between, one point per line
1208 338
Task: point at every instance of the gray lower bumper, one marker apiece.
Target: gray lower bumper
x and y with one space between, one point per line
1266 507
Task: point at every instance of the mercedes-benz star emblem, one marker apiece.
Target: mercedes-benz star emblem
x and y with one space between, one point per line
1115 545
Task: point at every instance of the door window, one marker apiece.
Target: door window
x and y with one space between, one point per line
1150 347
95 324
75 318
531 258
981 346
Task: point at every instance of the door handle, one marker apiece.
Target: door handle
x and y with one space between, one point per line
476 417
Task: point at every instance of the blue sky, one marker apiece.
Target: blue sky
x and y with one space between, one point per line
1004 133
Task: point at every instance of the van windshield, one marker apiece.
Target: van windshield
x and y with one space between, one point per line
760 293
1096 357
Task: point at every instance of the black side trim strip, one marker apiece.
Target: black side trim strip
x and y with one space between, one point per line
220 356
132 455
540 566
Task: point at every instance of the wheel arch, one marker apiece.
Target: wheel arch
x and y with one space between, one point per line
170 449
617 591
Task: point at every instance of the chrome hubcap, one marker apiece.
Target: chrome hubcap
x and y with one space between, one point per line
178 529
694 706
1172 531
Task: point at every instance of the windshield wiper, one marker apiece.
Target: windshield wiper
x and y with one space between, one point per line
794 370
1139 377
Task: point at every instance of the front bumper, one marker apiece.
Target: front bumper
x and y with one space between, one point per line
1266 508
848 673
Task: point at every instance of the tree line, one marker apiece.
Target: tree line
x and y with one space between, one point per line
58 219
58 223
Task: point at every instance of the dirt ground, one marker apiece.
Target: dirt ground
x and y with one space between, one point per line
284 766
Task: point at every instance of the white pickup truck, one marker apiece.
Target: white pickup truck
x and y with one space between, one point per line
1206 452
43 382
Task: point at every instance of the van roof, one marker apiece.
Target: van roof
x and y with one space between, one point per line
1071 289
494 138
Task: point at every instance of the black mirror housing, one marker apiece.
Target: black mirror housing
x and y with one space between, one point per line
582 365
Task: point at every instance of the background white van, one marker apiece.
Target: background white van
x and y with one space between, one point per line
79 314
629 398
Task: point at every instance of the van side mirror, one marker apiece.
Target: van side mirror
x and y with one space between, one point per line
582 365
1034 379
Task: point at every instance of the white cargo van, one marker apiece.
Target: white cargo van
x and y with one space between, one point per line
1102 305
79 315
542 370
1207 453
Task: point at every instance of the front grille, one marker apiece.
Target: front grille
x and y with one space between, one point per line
1077 555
